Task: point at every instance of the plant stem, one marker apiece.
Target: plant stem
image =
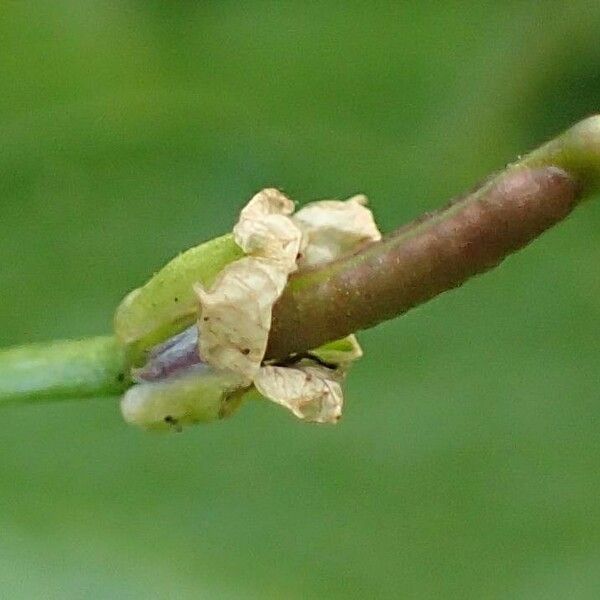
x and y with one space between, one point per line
87 368
433 254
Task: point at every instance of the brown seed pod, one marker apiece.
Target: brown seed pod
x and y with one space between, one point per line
419 261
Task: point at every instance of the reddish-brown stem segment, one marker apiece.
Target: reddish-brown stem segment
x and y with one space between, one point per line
421 260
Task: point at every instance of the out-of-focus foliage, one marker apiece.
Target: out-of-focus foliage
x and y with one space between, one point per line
466 464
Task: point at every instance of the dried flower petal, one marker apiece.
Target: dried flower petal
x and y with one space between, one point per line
265 230
332 228
310 391
235 314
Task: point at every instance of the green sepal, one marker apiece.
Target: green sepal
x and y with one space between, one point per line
167 304
198 396
339 352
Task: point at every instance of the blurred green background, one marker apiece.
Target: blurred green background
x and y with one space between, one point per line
467 462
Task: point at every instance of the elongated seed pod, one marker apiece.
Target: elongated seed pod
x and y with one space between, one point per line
419 261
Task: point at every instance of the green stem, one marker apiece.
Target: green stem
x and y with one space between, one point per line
63 370
435 253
